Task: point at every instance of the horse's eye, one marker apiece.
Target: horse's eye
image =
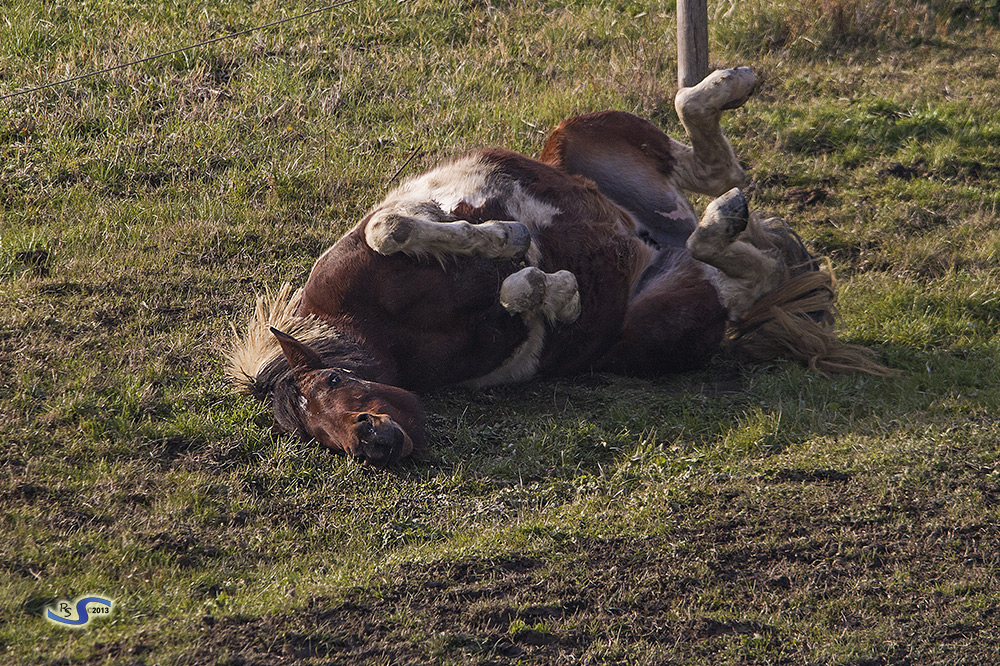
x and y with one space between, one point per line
333 379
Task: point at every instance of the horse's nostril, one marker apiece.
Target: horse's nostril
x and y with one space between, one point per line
365 427
379 446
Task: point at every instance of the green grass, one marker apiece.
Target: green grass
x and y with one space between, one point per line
742 514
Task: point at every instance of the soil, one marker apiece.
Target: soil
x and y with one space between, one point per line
507 610
747 585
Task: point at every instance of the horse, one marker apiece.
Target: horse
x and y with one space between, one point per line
495 268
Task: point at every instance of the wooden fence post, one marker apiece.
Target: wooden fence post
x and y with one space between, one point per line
692 42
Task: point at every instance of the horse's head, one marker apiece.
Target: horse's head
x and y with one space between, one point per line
375 422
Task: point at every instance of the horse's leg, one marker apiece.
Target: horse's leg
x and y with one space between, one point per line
636 165
531 290
538 298
388 233
745 273
709 165
632 162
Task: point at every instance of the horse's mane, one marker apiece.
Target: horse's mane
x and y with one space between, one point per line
254 355
797 320
254 361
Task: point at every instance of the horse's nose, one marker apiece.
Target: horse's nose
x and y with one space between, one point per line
365 426
380 440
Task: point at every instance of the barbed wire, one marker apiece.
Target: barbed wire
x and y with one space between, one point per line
206 42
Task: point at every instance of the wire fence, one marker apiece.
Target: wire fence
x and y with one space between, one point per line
132 63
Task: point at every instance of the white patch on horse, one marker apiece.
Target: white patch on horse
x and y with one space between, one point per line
466 179
679 213
418 217
526 209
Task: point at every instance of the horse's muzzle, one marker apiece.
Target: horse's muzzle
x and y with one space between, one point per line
380 441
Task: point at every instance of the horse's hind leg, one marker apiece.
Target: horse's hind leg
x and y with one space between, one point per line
745 273
631 161
636 165
709 165
531 290
390 233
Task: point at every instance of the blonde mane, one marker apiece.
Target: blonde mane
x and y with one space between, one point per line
253 350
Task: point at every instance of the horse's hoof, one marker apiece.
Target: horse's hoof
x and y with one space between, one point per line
523 291
513 239
721 90
562 297
520 240
742 85
728 215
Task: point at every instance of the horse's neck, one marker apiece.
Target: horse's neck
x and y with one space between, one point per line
348 350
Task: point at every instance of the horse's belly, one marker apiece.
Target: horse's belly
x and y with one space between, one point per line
444 325
440 316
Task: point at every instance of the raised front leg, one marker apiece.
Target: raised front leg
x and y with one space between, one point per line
540 299
532 291
709 165
389 233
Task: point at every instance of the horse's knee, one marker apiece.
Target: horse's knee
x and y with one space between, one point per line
531 290
389 234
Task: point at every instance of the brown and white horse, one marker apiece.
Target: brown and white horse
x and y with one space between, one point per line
495 268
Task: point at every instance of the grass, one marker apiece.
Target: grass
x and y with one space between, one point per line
742 514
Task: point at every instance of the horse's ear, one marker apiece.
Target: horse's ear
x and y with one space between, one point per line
300 357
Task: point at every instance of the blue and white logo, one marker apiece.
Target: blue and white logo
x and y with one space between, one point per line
79 613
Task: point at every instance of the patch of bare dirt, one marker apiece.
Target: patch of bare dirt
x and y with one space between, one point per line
733 576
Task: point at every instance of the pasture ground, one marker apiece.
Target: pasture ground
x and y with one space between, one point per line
743 514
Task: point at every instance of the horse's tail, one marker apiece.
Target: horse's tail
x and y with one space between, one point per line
796 321
253 355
